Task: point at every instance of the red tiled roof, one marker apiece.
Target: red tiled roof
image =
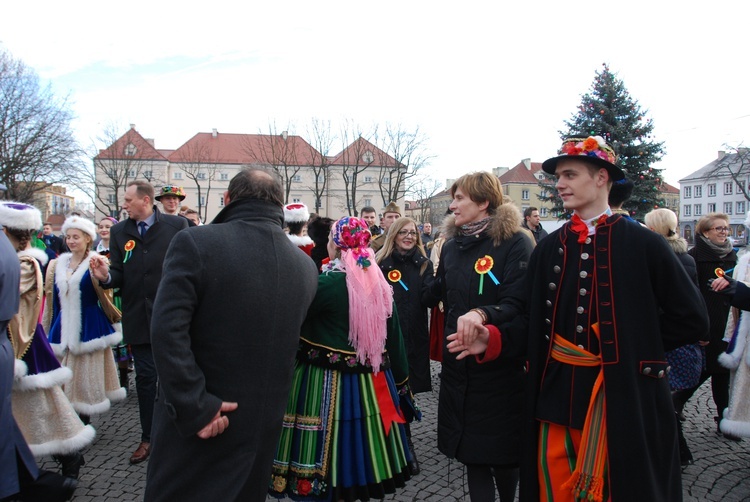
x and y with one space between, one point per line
521 174
349 156
143 149
226 148
667 188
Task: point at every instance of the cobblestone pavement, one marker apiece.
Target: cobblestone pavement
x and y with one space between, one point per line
721 471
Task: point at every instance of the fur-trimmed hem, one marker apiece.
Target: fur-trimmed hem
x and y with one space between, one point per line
46 380
35 253
729 361
92 409
117 395
300 240
100 343
20 369
735 427
65 446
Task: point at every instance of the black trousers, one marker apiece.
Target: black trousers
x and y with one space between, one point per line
145 386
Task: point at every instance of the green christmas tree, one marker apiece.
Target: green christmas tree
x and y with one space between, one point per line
609 111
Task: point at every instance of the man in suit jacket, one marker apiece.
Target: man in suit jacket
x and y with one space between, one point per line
137 247
226 329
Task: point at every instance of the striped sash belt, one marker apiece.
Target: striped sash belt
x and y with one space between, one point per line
587 480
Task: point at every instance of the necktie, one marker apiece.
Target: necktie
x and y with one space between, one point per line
142 228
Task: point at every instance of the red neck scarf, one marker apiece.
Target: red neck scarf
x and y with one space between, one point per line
582 228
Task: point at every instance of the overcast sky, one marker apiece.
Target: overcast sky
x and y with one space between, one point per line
489 85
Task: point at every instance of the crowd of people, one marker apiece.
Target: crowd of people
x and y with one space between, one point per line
313 339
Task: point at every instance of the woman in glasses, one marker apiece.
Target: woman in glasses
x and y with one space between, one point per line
408 270
713 255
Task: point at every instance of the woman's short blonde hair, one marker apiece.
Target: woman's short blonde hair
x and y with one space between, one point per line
480 187
707 222
663 221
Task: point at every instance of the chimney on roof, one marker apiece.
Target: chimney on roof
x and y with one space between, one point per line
214 133
527 163
150 141
284 134
132 126
722 154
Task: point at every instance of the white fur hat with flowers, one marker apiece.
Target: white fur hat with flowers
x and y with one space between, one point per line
20 216
81 224
296 213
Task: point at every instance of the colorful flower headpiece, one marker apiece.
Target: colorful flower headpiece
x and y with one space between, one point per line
593 146
594 149
171 190
350 233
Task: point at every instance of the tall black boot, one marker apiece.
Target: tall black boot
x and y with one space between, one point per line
413 464
70 465
686 457
124 377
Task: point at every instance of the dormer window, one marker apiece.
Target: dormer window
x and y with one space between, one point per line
130 149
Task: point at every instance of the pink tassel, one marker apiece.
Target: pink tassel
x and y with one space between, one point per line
370 306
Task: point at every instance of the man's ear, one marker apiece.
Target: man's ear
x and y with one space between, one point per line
602 176
226 197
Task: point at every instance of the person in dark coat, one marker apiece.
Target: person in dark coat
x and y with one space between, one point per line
20 478
713 251
318 230
408 270
225 330
607 298
137 247
481 280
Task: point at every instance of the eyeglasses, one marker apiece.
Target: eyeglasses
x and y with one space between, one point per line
404 233
721 229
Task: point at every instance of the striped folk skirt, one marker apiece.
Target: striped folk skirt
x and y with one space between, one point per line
333 444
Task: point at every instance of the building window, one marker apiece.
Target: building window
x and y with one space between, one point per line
728 207
201 201
201 176
711 208
112 199
367 202
368 179
712 190
697 209
147 174
386 179
223 176
728 188
687 192
698 191
132 173
740 207
296 200
524 195
114 213
177 176
297 178
221 201
543 193
130 149
687 210
321 178
543 212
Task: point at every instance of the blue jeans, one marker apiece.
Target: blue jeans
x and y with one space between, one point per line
145 386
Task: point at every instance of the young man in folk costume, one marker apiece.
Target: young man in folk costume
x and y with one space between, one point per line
606 299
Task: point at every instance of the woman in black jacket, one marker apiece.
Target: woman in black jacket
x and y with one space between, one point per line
713 251
481 279
406 267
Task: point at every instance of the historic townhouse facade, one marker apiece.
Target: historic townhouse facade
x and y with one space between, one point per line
332 186
713 189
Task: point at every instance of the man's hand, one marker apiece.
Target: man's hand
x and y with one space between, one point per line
99 266
219 423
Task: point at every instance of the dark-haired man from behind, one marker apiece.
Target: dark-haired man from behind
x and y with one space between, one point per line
225 333
532 222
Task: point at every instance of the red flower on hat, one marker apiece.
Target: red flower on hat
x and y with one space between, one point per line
590 144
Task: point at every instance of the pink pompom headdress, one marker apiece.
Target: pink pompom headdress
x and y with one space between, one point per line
370 296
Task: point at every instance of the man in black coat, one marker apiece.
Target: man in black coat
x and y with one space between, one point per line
137 248
226 329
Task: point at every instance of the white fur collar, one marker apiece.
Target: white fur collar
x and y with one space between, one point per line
35 253
300 240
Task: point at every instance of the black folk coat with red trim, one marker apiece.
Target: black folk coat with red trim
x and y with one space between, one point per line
480 407
630 281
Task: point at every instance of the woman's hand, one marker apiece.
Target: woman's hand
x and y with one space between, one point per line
99 266
469 345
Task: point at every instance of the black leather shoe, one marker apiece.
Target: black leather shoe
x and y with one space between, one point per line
71 464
